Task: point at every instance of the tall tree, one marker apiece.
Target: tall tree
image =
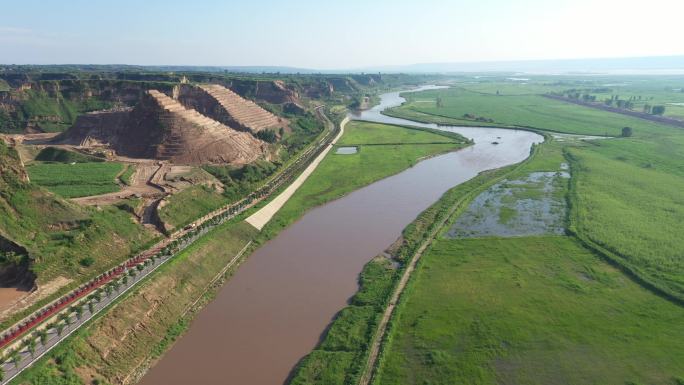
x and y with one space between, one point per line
658 110
42 336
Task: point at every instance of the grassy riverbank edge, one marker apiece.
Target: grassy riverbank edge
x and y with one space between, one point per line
271 230
323 364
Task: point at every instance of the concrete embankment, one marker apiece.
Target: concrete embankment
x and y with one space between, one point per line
261 217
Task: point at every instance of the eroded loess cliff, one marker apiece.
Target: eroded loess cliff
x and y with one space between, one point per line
159 127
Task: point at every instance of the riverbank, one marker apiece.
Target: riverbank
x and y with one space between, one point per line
339 174
459 321
118 347
361 326
282 277
260 218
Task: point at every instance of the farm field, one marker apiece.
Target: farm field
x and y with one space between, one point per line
531 310
76 180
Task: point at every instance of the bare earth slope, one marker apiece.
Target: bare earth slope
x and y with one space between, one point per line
160 127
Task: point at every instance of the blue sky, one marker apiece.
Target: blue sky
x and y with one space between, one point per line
334 34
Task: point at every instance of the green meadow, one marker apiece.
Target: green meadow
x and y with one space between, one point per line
526 110
626 191
529 311
76 180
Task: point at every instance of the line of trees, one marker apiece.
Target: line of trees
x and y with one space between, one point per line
614 100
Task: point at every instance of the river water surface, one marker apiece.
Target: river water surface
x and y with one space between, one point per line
273 311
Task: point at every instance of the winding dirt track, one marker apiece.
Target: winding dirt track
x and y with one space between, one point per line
374 350
141 185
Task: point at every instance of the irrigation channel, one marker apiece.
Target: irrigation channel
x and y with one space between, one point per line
276 307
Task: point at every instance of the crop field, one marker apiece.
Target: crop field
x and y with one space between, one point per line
76 180
527 110
339 174
529 311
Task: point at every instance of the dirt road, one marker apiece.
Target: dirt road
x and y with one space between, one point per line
141 186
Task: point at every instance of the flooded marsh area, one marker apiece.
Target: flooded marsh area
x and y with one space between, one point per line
531 205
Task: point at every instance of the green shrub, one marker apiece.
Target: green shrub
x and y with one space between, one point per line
87 261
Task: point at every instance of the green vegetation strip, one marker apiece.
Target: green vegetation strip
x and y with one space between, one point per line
125 177
460 106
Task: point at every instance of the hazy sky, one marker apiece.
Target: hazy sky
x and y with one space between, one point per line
334 34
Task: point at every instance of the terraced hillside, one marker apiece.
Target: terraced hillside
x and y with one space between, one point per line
191 137
229 108
160 127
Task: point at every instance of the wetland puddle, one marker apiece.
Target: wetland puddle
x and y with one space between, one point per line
533 205
346 150
273 311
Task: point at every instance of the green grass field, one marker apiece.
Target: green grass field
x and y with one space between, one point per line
338 174
76 180
526 110
633 209
189 204
627 192
529 311
546 310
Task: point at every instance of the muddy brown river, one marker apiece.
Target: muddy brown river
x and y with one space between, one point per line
276 307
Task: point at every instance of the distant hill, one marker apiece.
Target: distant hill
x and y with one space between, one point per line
638 65
653 64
